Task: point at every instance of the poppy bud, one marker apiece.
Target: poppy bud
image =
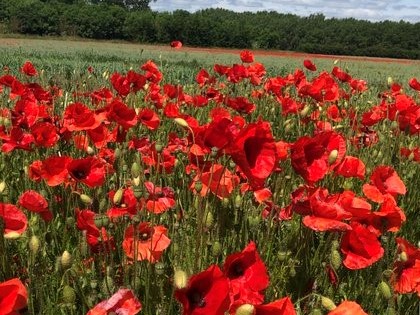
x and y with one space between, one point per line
66 260
390 80
304 112
384 290
335 259
327 303
34 244
86 199
245 309
333 156
180 279
68 295
135 169
182 122
136 181
216 249
238 201
117 153
159 148
118 196
403 257
2 186
208 222
90 150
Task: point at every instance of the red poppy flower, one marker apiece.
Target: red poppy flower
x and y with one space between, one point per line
33 201
351 167
406 276
360 247
414 84
247 275
122 302
152 72
145 242
78 116
28 69
97 238
282 306
326 212
384 180
246 56
126 206
206 293
45 134
240 104
309 65
162 161
13 297
90 171
176 44
101 135
159 199
341 75
53 169
357 206
15 221
312 158
149 118
323 88
348 308
121 114
254 151
17 139
218 179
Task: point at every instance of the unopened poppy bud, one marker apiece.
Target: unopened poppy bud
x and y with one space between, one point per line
90 150
238 201
216 249
136 181
159 148
384 290
335 259
86 199
208 222
403 257
333 156
182 122
68 295
245 309
327 303
180 279
390 80
304 112
2 186
118 196
135 169
66 260
34 244
336 61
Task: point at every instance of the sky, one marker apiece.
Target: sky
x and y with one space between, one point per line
372 10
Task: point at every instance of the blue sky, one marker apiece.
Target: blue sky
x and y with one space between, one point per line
373 10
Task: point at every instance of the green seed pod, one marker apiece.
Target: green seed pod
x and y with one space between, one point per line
137 192
160 268
335 259
68 295
384 290
101 221
117 153
225 202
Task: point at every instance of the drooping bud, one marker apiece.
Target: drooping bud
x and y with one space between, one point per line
68 295
182 122
384 290
87 200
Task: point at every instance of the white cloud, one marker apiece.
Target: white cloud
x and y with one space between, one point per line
373 10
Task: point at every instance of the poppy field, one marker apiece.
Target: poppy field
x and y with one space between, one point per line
254 186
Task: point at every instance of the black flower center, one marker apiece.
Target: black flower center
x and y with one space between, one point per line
196 299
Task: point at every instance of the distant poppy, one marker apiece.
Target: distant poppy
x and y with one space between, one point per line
152 72
240 104
309 65
414 84
246 56
15 221
35 202
29 69
122 302
206 293
145 242
247 275
13 297
176 44
360 247
348 308
341 74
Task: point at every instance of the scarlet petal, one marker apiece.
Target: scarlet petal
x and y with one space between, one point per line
324 224
348 308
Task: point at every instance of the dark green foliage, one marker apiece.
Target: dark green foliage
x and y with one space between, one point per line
133 20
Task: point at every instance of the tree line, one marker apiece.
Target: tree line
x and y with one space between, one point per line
134 21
